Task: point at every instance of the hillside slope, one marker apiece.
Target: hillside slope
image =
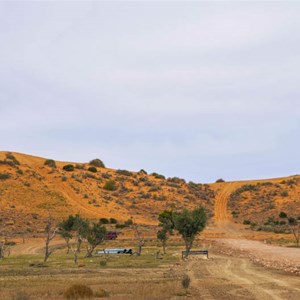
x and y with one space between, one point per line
30 190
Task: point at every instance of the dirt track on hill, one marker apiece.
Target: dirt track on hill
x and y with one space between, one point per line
221 202
224 277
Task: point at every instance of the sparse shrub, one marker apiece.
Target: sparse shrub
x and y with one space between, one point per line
104 221
186 280
282 215
110 185
92 169
220 180
78 291
247 222
11 157
120 226
113 221
4 176
154 188
97 163
158 176
128 222
142 171
50 163
101 293
68 168
64 178
20 172
79 167
103 263
106 175
284 194
20 295
124 172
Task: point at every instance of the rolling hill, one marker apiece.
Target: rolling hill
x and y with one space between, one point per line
32 187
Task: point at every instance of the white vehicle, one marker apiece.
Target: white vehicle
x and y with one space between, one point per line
115 251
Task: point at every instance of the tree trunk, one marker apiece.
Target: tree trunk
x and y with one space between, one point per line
188 246
164 247
47 252
67 240
90 251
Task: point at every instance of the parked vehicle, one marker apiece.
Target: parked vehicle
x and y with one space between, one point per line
111 235
115 251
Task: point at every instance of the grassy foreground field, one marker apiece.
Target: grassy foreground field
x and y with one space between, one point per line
117 277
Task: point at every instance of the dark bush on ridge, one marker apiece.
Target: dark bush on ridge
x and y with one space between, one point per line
50 163
97 163
124 172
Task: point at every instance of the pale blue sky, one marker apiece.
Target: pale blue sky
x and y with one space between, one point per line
199 90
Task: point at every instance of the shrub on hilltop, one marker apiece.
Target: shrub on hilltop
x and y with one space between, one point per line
97 163
50 163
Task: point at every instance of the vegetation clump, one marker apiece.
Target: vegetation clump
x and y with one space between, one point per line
78 291
220 180
124 172
50 163
110 185
92 169
158 176
98 163
68 168
4 176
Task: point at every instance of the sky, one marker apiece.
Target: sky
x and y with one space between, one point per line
198 90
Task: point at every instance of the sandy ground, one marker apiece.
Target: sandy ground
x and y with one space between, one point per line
224 277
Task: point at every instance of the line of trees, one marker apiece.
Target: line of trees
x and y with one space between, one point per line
77 229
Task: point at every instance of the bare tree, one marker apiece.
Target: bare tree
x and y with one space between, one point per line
50 232
139 237
4 249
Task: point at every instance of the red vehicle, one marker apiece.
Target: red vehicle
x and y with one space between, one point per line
111 235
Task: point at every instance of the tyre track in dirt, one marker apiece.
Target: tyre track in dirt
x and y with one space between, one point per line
224 277
222 215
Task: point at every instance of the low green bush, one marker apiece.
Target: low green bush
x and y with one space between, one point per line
92 169
110 185
68 168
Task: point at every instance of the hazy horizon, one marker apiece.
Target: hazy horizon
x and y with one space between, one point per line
198 90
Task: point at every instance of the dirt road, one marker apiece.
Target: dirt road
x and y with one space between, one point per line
224 277
221 202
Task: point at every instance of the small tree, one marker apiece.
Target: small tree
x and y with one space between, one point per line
78 228
189 223
50 232
163 237
166 221
95 236
65 231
